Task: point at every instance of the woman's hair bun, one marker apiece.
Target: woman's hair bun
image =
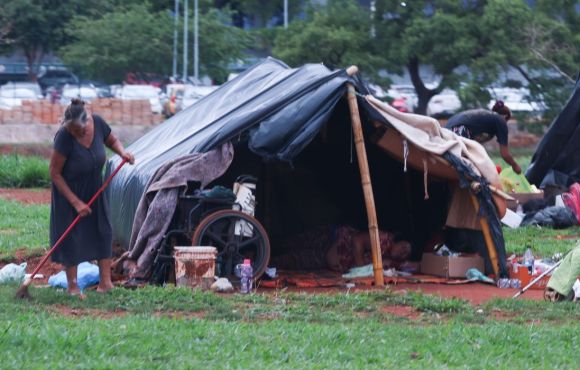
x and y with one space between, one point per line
500 108
77 101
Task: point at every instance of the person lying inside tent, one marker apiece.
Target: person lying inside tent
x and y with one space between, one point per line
337 248
482 125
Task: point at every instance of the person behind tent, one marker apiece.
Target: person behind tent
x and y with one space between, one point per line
337 248
76 166
482 125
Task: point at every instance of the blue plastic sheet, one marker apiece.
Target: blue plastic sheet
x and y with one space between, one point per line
87 275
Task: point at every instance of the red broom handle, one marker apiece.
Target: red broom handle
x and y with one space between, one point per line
75 221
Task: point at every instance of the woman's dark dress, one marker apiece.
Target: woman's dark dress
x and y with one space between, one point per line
91 238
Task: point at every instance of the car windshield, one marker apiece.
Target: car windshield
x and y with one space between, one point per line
18 93
142 92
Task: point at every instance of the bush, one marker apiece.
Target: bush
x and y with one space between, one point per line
23 172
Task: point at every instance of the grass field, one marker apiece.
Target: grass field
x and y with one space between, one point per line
173 328
159 328
18 171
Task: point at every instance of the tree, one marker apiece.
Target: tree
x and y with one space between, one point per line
337 35
123 41
38 26
136 39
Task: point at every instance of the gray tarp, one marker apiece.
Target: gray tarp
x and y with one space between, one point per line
285 107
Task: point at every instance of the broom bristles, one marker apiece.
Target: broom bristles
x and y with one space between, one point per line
22 292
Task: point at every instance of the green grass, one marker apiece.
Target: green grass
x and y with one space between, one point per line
22 227
175 328
23 171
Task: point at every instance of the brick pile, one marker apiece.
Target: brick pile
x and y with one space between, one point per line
114 111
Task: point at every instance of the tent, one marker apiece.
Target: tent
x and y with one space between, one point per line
555 161
319 160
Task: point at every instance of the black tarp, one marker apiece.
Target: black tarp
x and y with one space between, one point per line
282 107
556 161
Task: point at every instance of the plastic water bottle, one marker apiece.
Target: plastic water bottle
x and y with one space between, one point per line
246 273
529 260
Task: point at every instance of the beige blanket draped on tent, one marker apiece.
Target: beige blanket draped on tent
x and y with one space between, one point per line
420 141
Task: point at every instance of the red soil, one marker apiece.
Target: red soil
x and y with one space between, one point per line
26 196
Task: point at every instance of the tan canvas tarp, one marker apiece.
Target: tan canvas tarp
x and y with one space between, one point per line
426 142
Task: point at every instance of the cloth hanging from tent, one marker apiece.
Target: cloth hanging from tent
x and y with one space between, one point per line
159 201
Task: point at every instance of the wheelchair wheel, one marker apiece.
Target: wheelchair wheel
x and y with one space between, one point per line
236 236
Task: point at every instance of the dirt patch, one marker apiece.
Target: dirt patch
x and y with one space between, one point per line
26 196
48 269
402 311
86 312
474 293
38 150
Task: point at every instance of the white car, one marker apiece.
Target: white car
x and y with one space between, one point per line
446 102
34 86
13 97
517 100
86 93
142 92
192 94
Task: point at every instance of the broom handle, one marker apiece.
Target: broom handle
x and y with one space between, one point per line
75 221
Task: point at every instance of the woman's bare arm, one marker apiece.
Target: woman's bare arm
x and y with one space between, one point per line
57 162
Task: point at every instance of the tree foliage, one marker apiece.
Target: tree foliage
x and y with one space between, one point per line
137 39
130 40
337 35
39 26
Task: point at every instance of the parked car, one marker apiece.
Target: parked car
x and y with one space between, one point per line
55 77
142 92
34 86
404 94
192 94
86 93
445 103
11 98
103 90
517 100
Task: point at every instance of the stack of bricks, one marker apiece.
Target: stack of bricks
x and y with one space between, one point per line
114 111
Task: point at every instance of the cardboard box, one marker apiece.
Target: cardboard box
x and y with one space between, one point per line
449 266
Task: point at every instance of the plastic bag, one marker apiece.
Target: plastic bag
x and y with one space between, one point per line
12 273
87 275
514 183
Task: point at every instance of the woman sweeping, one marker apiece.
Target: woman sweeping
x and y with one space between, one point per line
76 168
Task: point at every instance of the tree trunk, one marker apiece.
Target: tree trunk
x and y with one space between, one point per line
30 59
423 93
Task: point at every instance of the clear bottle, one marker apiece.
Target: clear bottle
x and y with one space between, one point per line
246 273
529 260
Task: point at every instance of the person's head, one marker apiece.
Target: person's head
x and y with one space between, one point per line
75 117
500 108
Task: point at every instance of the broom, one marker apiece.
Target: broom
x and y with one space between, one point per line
22 292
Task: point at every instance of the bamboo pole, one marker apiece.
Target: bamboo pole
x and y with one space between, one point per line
366 184
491 249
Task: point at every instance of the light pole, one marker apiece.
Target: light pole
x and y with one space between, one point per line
195 41
185 24
175 26
285 13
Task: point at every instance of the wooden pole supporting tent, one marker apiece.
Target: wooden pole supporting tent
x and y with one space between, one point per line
366 182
